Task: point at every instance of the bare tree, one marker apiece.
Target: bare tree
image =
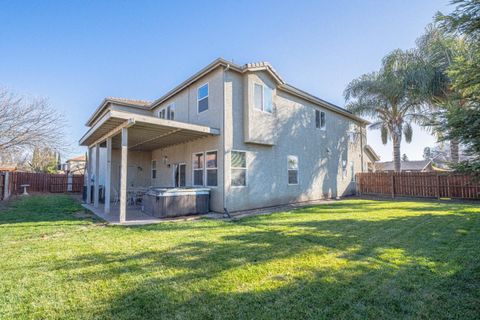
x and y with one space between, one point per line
28 123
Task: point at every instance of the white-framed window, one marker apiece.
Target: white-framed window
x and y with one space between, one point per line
167 112
263 98
162 113
154 169
320 121
344 169
352 170
211 167
238 168
352 133
292 169
171 111
202 98
198 168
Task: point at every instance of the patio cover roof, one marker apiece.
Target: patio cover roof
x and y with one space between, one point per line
145 132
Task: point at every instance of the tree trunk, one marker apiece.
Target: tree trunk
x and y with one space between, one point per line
396 156
396 139
454 153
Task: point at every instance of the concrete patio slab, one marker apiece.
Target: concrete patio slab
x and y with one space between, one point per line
134 217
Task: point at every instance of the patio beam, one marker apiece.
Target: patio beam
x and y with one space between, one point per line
123 176
108 175
96 188
155 138
127 124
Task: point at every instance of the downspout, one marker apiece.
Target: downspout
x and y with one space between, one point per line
361 147
225 210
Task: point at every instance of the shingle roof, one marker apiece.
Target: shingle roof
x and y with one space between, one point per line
143 104
417 165
133 102
79 158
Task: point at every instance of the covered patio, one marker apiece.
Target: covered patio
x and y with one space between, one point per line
129 132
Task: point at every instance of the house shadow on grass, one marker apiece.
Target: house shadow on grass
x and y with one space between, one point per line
44 210
423 266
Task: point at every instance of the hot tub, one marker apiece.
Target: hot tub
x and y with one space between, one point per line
174 202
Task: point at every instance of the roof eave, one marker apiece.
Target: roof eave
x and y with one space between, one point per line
330 106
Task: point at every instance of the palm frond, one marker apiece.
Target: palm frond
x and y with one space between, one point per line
384 134
408 132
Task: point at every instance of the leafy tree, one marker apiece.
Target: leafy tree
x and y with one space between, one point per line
464 123
404 157
390 98
436 52
44 160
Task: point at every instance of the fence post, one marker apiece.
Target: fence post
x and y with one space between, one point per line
438 186
69 182
6 186
393 185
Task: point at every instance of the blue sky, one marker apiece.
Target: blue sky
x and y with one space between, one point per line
77 52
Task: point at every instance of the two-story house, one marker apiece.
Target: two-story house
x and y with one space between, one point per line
241 131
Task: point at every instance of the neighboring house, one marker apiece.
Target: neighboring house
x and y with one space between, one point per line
371 157
8 167
241 131
406 166
75 165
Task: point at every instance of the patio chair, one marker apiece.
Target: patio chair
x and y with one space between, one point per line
116 196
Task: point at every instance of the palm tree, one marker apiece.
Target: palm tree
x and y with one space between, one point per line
389 98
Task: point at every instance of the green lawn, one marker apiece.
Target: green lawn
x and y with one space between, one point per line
352 259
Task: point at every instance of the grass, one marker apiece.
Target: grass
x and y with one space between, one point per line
350 259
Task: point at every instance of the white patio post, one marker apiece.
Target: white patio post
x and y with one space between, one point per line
96 188
89 176
123 175
108 175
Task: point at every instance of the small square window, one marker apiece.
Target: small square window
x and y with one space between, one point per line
292 168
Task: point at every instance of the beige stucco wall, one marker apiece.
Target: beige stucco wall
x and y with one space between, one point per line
186 102
183 153
293 132
267 138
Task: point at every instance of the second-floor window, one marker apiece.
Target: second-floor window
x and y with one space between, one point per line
202 98
320 121
167 112
154 169
263 98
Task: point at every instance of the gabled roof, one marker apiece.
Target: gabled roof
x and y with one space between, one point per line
79 158
220 62
131 102
140 104
374 155
417 165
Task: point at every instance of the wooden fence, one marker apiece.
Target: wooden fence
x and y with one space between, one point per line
2 185
419 184
43 182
